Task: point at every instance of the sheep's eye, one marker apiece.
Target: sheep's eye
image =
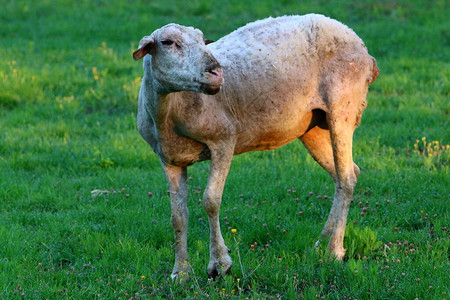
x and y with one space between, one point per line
167 42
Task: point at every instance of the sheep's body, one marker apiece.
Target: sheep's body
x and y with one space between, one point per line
285 78
273 69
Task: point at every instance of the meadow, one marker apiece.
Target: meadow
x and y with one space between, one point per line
84 211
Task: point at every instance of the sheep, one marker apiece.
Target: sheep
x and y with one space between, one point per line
260 87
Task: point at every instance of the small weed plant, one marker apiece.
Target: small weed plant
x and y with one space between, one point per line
360 242
433 153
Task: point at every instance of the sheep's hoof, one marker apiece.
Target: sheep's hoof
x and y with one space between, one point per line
180 277
216 270
181 272
338 254
336 251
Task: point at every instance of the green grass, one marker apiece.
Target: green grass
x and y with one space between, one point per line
68 94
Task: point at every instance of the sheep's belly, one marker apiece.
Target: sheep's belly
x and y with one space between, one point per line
273 135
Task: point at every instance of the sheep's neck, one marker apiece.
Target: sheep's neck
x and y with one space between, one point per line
159 109
155 103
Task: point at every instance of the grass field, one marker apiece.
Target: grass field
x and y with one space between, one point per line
68 100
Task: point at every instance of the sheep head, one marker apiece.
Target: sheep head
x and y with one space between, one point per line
181 61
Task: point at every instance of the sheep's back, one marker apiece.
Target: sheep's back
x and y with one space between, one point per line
275 49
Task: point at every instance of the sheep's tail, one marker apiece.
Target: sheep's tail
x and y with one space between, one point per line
375 71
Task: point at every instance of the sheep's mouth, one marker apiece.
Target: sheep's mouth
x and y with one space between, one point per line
210 89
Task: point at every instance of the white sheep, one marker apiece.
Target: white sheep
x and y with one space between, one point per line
258 88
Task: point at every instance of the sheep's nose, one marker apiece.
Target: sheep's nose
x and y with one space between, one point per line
212 79
215 70
214 74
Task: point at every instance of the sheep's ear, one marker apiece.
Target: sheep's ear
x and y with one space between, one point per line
145 45
208 42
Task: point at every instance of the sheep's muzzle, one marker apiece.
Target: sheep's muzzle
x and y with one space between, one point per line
212 80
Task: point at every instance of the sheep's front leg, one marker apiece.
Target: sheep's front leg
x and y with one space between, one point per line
219 259
176 176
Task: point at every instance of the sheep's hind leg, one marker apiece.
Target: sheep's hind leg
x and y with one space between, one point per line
177 178
318 142
346 177
221 157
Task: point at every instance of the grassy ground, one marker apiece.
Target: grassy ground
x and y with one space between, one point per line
68 94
